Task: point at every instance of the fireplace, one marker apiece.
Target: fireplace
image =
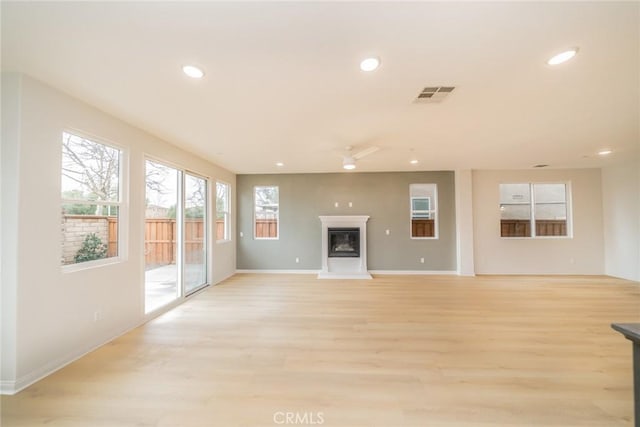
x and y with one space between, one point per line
344 242
344 247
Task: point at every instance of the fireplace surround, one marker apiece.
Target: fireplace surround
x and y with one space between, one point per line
344 247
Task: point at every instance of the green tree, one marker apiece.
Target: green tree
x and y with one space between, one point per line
76 208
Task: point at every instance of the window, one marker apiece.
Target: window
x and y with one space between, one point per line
194 232
91 200
266 212
534 210
162 255
222 212
423 211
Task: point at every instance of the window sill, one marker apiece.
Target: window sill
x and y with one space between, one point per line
71 268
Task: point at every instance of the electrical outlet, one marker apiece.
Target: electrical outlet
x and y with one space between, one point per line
421 260
350 204
386 232
297 260
241 234
96 316
336 204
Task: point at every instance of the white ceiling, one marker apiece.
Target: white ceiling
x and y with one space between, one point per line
283 82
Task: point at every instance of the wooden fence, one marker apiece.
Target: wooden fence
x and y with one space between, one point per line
160 236
266 228
112 248
422 228
522 227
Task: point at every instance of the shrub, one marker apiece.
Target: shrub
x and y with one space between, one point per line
92 248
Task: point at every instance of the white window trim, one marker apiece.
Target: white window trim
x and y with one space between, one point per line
227 214
532 223
122 204
433 203
277 214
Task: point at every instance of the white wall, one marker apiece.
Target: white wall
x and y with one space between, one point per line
464 222
621 205
582 254
54 323
8 220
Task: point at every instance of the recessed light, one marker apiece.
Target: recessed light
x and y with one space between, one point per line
604 152
279 164
193 71
413 162
563 57
370 64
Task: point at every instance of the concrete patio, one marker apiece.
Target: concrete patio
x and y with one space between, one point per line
161 284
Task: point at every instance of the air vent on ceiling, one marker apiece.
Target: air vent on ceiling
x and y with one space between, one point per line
434 94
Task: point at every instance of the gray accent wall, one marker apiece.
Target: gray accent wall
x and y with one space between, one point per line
383 196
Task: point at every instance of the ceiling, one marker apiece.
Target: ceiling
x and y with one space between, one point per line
283 82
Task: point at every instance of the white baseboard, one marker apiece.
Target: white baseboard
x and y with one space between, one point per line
414 272
222 279
330 276
278 271
7 387
380 272
466 274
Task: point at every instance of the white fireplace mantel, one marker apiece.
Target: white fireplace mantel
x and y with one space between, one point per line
344 268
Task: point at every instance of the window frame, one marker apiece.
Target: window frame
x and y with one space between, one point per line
433 211
255 237
121 203
419 212
532 208
226 213
182 217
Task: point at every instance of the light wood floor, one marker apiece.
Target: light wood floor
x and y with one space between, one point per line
393 351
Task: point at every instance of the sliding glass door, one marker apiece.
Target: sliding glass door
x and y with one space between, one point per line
161 254
195 232
175 234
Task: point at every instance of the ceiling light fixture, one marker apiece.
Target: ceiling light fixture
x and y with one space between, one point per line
604 152
279 164
349 163
563 57
193 71
370 64
413 162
